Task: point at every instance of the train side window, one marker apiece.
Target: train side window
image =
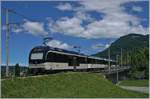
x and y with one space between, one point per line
55 57
82 60
50 57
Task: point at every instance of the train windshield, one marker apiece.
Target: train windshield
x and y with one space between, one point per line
35 56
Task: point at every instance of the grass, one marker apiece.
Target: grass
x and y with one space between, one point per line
65 85
138 83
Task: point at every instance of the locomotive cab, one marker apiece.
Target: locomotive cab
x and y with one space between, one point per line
37 55
37 59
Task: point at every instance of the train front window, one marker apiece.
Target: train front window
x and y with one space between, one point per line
35 56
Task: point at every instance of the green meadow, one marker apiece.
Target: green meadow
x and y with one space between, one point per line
65 85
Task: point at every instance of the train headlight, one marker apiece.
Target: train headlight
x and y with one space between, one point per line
48 67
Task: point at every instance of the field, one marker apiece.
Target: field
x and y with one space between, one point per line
138 83
64 85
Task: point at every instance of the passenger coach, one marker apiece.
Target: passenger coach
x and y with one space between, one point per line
43 58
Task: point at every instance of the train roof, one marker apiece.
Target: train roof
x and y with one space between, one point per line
49 48
63 51
99 58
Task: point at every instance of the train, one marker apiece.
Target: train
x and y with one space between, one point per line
46 58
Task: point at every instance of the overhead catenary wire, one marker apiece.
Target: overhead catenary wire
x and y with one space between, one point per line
19 14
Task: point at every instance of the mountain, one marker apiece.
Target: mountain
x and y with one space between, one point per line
128 42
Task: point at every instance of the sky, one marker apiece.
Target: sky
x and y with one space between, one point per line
91 24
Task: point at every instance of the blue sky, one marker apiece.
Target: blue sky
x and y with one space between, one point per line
86 24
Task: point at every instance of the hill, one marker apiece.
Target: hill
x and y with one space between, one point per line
129 42
71 84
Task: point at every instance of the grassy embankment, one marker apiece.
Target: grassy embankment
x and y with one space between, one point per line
137 83
69 84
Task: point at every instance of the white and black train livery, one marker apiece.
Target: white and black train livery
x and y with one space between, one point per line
43 58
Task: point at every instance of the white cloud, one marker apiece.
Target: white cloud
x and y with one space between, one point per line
115 22
64 6
107 45
68 26
100 46
34 28
83 16
137 9
17 30
58 44
13 28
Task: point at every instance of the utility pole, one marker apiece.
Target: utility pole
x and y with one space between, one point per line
117 66
121 58
109 59
7 43
127 59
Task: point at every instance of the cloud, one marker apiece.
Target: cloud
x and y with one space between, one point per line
100 46
137 9
34 28
67 26
107 45
16 28
13 28
58 44
97 46
115 22
64 6
83 16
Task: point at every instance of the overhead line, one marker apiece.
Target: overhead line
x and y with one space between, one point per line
19 14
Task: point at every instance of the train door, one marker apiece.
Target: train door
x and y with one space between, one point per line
73 61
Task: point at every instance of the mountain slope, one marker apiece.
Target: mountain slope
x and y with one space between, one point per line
127 43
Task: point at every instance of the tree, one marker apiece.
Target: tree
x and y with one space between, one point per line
17 70
140 64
